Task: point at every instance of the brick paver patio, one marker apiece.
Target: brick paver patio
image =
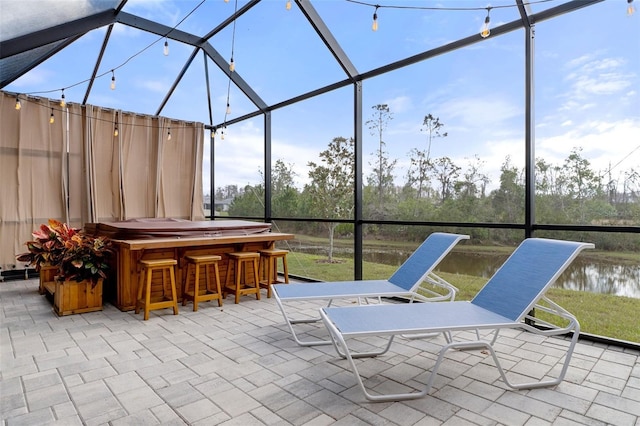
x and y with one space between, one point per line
237 365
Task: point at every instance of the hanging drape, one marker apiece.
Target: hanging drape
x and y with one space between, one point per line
31 170
76 170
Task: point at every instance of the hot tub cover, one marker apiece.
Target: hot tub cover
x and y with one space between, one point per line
143 228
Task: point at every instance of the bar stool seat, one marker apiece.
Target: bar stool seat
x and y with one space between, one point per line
211 291
148 267
240 262
269 268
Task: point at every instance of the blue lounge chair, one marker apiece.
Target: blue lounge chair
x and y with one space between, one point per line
403 283
506 301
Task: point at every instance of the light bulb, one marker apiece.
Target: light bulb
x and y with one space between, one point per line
288 5
18 104
113 80
62 101
228 108
166 48
115 132
374 26
630 9
232 65
222 135
213 134
52 118
169 134
485 31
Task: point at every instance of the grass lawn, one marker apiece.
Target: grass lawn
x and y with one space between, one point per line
599 314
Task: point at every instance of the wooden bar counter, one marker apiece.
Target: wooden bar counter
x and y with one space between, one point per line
122 287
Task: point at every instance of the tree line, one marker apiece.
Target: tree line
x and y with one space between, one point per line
439 190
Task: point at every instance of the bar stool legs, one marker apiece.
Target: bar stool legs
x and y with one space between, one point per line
212 289
238 261
144 286
269 268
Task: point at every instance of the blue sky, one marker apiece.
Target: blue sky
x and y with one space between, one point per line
586 91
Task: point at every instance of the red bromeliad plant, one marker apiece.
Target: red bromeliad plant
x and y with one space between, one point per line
47 247
77 255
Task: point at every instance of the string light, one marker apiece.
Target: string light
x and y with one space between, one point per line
222 132
485 31
18 104
52 118
374 26
169 134
232 65
166 47
228 111
213 133
113 80
630 9
62 101
288 5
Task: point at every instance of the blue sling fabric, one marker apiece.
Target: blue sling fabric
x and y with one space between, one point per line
535 264
430 252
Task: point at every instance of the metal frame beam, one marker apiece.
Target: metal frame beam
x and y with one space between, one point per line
76 28
327 37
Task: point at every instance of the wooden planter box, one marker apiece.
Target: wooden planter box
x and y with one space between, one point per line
72 297
47 275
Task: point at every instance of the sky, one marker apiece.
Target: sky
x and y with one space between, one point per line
587 79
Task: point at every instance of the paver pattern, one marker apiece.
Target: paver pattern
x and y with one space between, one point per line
237 365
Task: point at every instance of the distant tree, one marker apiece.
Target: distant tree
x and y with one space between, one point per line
382 176
249 203
446 173
225 192
418 173
431 126
282 176
474 182
508 199
331 188
582 181
421 164
285 196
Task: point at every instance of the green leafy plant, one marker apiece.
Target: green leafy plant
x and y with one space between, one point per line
77 255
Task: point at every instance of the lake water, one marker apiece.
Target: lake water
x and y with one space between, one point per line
596 276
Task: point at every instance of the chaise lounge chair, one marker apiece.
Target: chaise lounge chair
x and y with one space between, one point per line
403 283
506 301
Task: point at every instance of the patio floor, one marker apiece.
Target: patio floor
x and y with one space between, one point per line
237 365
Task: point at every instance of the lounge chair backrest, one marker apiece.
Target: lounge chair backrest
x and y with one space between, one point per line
526 275
424 259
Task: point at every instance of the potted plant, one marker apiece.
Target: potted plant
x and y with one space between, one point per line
46 250
78 261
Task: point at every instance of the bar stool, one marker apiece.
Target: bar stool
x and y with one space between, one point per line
240 260
212 289
146 274
269 268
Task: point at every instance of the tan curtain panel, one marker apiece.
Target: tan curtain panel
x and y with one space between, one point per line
32 153
77 170
102 166
180 189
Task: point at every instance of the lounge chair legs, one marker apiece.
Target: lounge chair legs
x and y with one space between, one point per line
343 350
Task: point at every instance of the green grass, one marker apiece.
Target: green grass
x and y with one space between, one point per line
599 314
